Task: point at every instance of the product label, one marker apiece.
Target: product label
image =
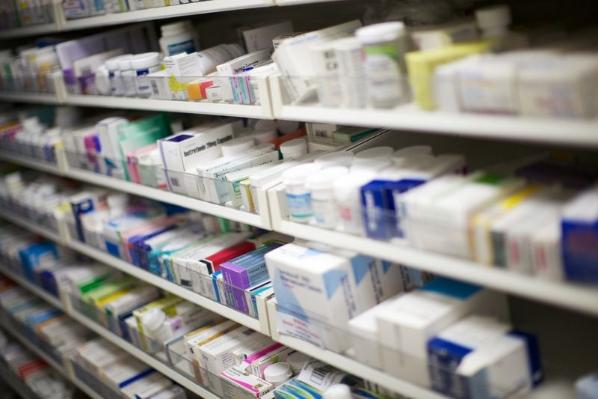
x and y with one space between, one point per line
300 207
383 75
182 47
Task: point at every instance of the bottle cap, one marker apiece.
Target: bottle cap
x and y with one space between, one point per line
278 373
490 18
323 180
145 60
112 63
372 153
338 158
383 32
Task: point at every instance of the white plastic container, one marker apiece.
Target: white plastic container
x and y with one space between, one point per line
337 158
298 196
177 38
278 373
117 87
348 201
142 65
374 153
322 196
293 149
127 76
351 72
494 22
385 46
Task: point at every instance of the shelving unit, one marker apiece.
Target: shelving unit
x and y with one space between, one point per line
409 117
258 220
58 367
260 325
561 297
110 336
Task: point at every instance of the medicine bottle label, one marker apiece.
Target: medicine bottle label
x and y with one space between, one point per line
300 209
183 47
383 75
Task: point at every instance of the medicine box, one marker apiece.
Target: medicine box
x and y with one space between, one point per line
405 326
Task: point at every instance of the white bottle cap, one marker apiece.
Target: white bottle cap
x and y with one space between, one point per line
124 64
154 319
175 27
278 373
337 391
495 18
145 60
299 174
372 153
377 33
338 158
237 146
371 165
293 149
323 180
112 63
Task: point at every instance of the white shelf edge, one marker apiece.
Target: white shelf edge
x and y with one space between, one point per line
38 98
410 118
58 367
148 277
167 196
560 294
144 191
186 107
29 31
150 14
109 335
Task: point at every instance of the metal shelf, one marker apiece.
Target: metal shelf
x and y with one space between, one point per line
561 294
261 221
110 336
150 14
260 325
58 367
36 98
578 133
187 107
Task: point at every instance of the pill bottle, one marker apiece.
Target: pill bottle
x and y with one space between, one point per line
177 38
324 207
127 76
381 152
155 323
278 373
117 87
298 196
385 46
494 22
337 158
337 391
142 65
351 72
293 149
348 200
